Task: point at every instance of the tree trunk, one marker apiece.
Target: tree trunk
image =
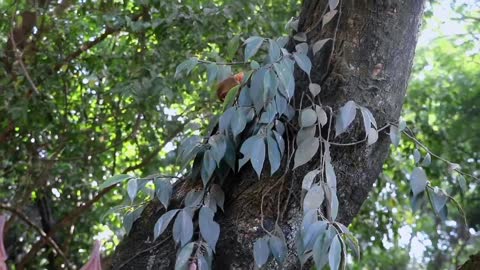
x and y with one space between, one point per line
374 48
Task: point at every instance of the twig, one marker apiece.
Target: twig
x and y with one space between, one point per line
18 56
44 236
142 251
435 155
224 63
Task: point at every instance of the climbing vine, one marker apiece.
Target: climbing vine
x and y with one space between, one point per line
269 122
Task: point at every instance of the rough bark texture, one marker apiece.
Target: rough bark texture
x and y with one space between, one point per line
374 48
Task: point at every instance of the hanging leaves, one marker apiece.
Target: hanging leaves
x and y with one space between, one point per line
317 46
314 198
183 228
308 179
308 117
274 156
132 188
163 190
209 229
278 248
303 62
163 222
345 117
335 253
208 166
314 89
418 181
332 4
328 17
305 151
114 180
252 45
253 149
394 135
261 251
186 67
183 257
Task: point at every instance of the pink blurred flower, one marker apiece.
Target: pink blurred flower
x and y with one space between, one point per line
3 253
94 262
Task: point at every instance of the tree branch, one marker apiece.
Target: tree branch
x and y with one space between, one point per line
45 237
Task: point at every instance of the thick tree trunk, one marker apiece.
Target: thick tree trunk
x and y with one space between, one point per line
374 48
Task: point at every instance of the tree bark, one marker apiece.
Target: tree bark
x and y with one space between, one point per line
374 47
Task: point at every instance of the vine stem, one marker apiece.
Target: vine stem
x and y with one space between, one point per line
412 137
224 63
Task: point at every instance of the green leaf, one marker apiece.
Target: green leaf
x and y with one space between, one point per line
301 48
208 167
278 248
394 135
269 113
312 233
274 156
305 133
334 205
327 18
333 4
301 36
462 183
256 89
164 191
162 223
308 117
314 89
308 179
372 136
252 45
218 147
218 194
130 218
280 142
345 117
183 228
209 229
132 188
352 243
335 253
317 46
186 66
183 257
212 71
439 199
320 251
314 198
230 97
310 217
416 156
261 251
427 160
273 51
418 181
114 180
194 198
253 149
303 62
305 151
330 175
232 46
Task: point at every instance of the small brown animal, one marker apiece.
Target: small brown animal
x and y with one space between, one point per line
227 84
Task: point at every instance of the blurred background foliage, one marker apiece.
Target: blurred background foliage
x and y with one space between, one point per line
90 92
